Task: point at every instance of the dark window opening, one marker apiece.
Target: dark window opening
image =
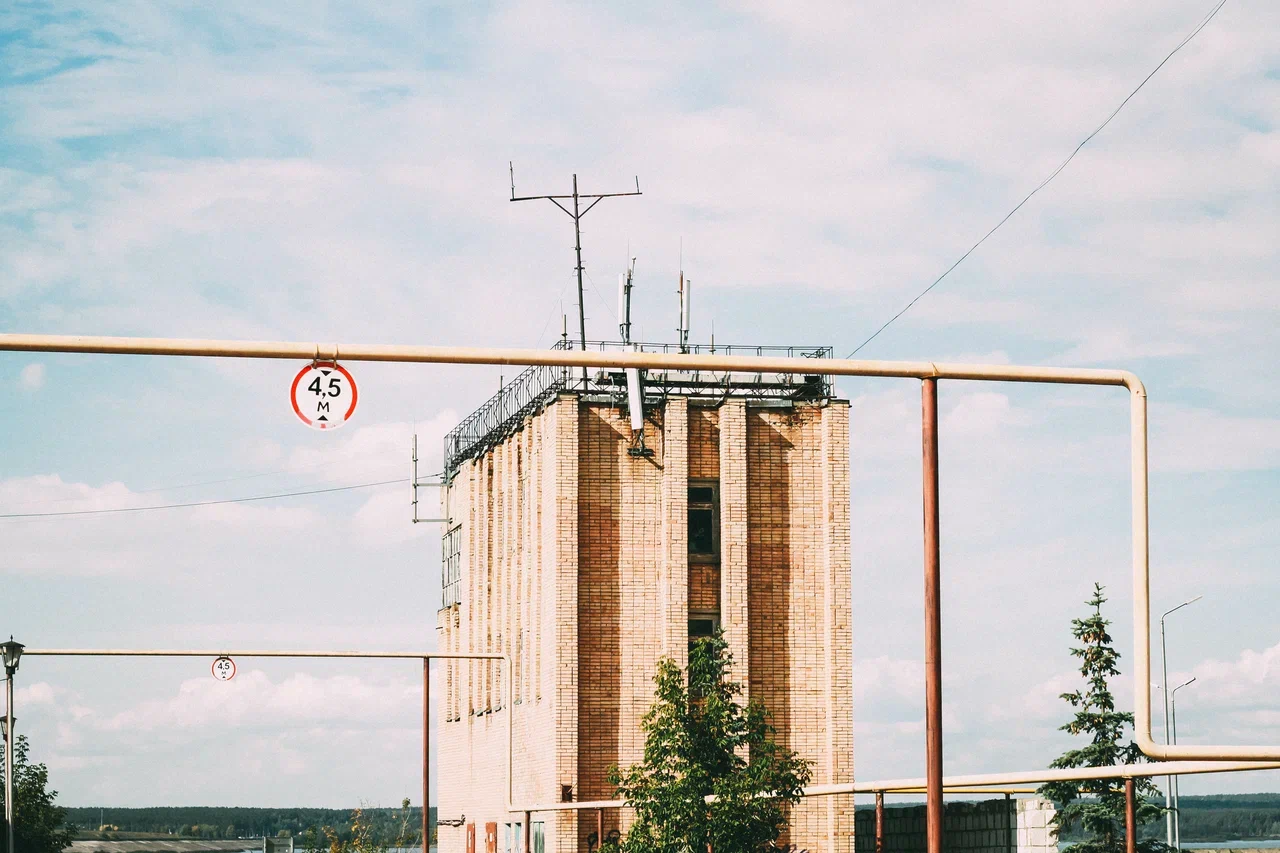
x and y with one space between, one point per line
704 520
699 628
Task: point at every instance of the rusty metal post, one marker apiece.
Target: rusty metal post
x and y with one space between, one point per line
879 821
1011 843
599 828
426 752
528 834
1130 818
932 619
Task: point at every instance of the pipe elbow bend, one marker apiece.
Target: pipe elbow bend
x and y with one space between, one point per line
1133 383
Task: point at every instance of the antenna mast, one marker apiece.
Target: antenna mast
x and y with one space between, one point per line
576 214
625 283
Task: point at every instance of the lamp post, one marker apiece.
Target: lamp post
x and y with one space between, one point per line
11 653
1164 684
1177 815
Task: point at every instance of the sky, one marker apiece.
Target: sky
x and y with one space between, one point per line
339 172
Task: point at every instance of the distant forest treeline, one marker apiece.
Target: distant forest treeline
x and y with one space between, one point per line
231 822
1226 817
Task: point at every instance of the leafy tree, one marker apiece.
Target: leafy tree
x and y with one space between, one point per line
364 835
1100 813
700 739
39 825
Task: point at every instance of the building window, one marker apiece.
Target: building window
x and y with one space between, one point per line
512 837
704 520
703 623
451 567
539 838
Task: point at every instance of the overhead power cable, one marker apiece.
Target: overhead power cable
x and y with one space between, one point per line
204 503
1203 23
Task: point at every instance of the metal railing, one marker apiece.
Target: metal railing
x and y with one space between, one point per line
504 413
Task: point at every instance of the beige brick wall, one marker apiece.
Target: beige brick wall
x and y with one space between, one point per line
518 506
799 599
575 561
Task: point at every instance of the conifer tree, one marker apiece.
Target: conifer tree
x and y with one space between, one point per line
1097 806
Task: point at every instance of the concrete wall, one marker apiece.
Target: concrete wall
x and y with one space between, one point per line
994 826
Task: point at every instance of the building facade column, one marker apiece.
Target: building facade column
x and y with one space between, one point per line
734 613
673 593
564 531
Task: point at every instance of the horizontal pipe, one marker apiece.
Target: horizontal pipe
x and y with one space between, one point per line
979 783
276 653
554 358
258 653
711 361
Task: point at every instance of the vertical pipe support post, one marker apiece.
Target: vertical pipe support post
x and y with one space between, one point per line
932 618
879 821
1011 843
528 833
1130 818
426 752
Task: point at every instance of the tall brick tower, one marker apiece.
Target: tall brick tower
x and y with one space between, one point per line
588 552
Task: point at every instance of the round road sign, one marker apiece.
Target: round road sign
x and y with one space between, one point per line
323 395
224 669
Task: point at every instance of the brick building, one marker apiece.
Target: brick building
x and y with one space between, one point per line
587 551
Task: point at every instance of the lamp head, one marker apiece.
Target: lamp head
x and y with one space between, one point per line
11 653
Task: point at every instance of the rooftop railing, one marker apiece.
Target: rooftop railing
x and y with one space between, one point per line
504 413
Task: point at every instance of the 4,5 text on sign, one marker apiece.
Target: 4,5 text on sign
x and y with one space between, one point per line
224 669
324 395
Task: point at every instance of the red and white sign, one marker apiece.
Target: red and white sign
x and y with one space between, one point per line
224 669
324 395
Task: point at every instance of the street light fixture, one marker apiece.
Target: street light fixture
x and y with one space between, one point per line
10 654
1177 814
1164 683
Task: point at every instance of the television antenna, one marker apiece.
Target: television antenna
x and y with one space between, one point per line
576 214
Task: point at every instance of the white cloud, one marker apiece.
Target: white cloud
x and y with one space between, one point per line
1187 439
344 178
32 377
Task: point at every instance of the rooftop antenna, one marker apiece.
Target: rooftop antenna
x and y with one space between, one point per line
682 328
625 283
576 214
686 291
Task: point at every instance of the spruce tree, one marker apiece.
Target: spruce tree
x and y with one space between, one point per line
701 739
1097 806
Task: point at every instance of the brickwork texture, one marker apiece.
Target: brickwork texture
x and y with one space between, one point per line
575 561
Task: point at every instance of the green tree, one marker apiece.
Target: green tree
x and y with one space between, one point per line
1097 806
39 825
700 739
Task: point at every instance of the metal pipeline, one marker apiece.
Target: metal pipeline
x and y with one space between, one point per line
967 784
425 657
828 367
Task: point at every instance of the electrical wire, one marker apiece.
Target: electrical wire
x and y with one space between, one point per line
180 486
203 503
1186 39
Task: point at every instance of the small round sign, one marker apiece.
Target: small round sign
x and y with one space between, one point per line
324 395
224 669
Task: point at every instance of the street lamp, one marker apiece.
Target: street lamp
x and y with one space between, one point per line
1177 815
10 654
1164 683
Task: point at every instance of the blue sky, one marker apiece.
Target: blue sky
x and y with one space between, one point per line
339 172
